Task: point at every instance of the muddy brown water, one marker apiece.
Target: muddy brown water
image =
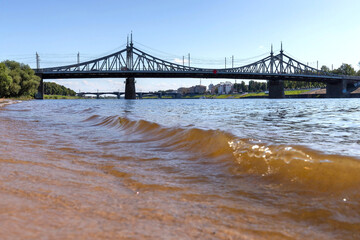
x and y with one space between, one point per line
180 169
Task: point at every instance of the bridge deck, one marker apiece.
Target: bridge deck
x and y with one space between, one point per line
191 74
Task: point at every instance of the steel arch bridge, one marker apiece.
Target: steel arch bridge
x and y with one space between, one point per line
132 62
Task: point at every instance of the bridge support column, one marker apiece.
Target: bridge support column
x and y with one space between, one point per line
336 89
40 93
130 92
140 95
276 89
97 96
118 95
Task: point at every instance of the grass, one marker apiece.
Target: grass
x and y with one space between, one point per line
223 96
194 96
295 92
237 96
150 97
261 94
61 97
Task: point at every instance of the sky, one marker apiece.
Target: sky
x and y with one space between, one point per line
210 30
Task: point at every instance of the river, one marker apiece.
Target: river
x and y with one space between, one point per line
180 169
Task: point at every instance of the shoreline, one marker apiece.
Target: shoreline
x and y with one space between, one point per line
8 101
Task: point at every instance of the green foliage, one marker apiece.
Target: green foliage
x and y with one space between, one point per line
17 79
302 85
60 97
222 96
345 69
51 88
244 87
5 80
254 95
325 69
150 97
296 92
252 87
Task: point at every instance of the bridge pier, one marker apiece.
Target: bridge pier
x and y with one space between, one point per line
130 92
118 95
40 93
97 96
337 89
276 89
140 95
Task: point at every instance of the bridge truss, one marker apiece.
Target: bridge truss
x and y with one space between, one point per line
133 62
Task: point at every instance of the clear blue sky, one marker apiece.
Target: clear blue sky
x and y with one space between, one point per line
210 30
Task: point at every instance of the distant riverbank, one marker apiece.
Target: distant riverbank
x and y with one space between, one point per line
303 93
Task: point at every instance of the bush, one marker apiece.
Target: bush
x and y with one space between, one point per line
17 79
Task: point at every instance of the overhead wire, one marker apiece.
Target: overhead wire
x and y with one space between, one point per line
171 57
70 58
308 63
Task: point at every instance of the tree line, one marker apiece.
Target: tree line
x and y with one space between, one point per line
253 86
51 88
344 69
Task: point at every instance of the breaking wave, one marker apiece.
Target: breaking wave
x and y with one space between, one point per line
290 166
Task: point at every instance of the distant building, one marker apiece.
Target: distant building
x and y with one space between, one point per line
211 88
171 91
183 90
199 89
225 88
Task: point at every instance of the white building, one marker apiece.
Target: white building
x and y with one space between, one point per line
225 87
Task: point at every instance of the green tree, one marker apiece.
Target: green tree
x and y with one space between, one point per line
237 87
244 88
325 69
303 84
264 86
5 81
251 87
17 79
345 69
